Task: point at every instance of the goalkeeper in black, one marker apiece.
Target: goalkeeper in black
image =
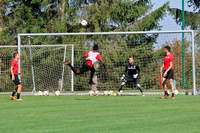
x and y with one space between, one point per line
131 74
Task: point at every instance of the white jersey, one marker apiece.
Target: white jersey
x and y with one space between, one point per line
93 56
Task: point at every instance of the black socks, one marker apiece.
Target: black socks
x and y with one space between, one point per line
120 88
140 89
13 93
166 93
18 95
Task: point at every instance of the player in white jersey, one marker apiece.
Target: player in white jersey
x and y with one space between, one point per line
91 58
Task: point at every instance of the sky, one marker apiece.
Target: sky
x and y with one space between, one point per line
168 23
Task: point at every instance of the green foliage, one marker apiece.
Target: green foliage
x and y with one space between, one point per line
64 16
34 16
192 19
195 4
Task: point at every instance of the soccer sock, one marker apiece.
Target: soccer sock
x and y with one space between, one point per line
140 90
139 87
16 89
120 88
18 95
172 94
73 69
13 93
166 93
91 76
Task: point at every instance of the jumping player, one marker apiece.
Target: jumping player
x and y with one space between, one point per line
91 57
131 74
14 76
168 72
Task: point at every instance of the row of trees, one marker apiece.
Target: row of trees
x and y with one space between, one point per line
28 16
32 16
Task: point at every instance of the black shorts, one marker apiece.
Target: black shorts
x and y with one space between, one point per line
86 68
16 81
131 79
170 74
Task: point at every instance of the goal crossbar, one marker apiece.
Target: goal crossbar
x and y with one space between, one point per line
104 33
48 45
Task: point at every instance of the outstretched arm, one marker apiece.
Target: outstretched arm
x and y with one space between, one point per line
138 69
103 64
101 60
138 72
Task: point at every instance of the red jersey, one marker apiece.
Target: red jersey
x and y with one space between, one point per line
168 59
92 57
15 66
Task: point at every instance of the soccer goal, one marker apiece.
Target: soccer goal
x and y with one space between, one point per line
42 66
115 47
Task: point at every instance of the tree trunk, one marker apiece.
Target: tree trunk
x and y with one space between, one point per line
63 7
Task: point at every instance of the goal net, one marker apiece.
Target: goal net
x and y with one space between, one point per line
42 67
115 47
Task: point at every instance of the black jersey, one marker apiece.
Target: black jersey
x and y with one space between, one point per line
132 69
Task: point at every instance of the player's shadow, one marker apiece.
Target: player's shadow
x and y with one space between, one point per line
82 99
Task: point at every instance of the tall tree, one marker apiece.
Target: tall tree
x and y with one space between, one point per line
28 16
195 4
192 20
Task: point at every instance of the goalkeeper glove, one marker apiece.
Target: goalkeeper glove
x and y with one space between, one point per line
135 76
123 77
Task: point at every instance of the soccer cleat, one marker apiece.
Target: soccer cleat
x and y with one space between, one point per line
20 99
165 96
143 95
66 63
12 98
120 93
173 97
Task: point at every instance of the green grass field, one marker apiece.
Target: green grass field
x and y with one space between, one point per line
102 114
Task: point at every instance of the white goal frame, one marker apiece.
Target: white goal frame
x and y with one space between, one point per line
48 45
120 33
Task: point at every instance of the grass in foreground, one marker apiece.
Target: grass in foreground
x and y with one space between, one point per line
103 114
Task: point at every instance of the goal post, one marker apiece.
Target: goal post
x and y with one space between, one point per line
42 66
166 37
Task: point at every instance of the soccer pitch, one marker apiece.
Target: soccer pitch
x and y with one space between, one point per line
100 114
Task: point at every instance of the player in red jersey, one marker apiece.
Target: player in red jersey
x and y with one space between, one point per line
91 58
14 76
168 72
